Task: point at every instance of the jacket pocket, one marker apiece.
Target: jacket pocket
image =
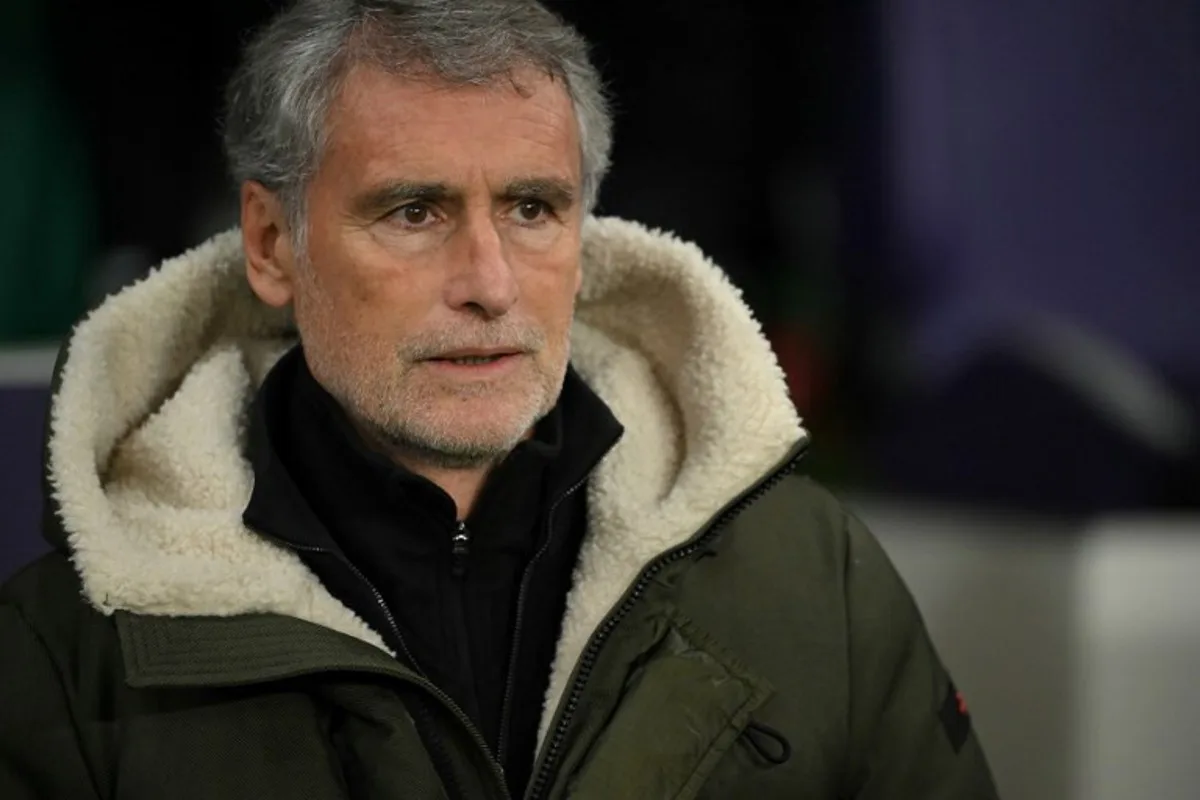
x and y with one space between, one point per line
684 703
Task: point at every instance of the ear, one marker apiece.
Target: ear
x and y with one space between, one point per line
270 260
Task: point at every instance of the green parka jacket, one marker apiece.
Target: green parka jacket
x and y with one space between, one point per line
731 631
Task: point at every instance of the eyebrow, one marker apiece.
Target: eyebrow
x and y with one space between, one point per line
559 193
379 200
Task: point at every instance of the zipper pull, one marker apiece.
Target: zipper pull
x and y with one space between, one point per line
460 549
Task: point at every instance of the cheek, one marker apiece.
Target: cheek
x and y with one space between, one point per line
552 296
553 279
311 303
362 275
375 299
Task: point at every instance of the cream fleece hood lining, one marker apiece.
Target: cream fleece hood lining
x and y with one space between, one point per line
145 455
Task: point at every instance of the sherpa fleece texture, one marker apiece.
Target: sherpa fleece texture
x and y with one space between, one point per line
145 451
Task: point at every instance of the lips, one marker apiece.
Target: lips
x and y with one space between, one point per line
472 352
471 361
468 357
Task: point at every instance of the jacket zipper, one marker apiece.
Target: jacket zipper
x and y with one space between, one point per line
424 683
460 551
588 659
510 679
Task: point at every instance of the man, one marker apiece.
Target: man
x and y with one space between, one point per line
516 516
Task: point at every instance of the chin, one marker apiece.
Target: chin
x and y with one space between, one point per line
485 423
479 423
459 449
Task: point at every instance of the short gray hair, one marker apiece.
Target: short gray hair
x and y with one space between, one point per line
278 100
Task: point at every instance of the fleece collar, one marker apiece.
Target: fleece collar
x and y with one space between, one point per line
146 464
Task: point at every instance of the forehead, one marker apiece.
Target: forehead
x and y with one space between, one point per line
384 126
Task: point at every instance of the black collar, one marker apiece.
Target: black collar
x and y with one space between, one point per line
313 472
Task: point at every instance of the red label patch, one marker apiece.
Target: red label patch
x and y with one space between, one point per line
955 718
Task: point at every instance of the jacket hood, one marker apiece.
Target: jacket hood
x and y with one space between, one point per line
148 479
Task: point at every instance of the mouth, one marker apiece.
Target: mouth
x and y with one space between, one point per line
471 361
476 357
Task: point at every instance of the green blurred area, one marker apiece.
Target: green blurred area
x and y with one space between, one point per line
47 203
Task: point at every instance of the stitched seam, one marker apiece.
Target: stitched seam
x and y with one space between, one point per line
758 690
737 723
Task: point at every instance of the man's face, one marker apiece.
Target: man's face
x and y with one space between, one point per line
436 297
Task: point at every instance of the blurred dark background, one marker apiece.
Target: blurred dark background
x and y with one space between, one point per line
971 230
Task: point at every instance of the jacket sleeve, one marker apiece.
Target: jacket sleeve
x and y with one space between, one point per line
910 729
40 755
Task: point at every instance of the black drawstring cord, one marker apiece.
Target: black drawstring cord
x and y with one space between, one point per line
756 731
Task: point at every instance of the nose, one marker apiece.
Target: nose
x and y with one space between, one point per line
483 279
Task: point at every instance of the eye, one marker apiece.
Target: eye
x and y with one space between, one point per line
415 214
531 210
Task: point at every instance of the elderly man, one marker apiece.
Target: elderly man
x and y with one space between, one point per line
424 483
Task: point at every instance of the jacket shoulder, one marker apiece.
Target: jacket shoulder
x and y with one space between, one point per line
48 594
798 520
51 575
799 543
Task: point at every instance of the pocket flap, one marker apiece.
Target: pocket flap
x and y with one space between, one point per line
683 705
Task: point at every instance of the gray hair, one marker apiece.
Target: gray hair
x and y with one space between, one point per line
278 100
